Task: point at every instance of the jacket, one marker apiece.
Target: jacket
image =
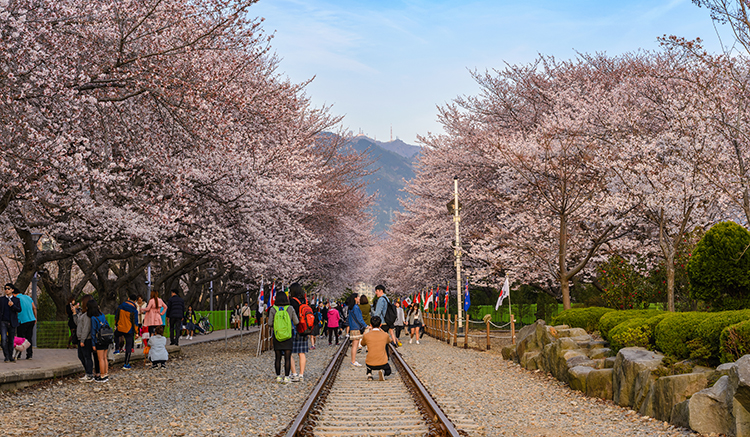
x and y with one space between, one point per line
333 318
83 327
380 308
10 312
399 317
355 319
154 312
365 309
175 307
376 342
158 348
126 309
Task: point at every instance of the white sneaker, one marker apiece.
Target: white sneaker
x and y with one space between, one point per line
356 364
411 339
417 341
190 338
381 377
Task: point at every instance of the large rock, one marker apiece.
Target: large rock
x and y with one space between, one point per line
599 384
739 392
709 410
557 355
532 361
509 353
533 338
668 391
577 377
601 352
572 332
681 414
632 377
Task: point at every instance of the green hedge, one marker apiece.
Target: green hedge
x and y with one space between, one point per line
586 318
674 332
636 332
706 346
614 318
735 342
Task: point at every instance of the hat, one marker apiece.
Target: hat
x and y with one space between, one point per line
333 304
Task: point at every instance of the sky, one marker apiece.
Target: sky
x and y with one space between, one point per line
387 65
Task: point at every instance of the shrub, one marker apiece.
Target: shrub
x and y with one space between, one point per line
586 318
719 265
638 331
623 286
614 318
735 341
675 330
706 344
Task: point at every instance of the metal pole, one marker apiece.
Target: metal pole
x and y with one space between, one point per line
211 290
34 280
457 252
148 279
225 326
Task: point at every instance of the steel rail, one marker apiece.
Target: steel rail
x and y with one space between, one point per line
437 420
302 424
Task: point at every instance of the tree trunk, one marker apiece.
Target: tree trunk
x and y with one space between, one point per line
562 255
565 286
670 282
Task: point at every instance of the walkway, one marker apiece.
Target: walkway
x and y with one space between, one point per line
57 363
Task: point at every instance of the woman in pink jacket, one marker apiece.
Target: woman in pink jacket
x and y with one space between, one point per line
154 310
333 323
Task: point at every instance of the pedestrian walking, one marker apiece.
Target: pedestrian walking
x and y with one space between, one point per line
333 323
414 319
126 322
69 310
158 354
400 321
236 317
153 311
377 357
246 312
299 302
175 312
99 343
357 326
10 306
381 306
26 320
365 309
282 335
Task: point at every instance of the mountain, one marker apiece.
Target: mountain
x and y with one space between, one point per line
392 167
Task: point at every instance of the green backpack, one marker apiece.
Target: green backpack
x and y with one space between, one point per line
282 324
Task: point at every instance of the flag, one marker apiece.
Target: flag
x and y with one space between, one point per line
407 301
429 300
273 293
447 293
467 301
261 302
505 292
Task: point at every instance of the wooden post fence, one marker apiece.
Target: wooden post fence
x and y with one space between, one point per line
455 331
513 328
488 334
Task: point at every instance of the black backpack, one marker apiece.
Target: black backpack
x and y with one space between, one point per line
105 336
390 313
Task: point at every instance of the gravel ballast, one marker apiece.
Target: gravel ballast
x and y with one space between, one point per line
208 389
507 400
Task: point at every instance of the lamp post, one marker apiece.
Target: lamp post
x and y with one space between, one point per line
211 272
454 208
34 280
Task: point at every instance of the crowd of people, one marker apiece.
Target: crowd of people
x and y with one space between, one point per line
356 318
296 328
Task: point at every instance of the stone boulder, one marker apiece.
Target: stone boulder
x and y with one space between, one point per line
533 338
668 391
739 392
572 332
556 356
708 411
632 378
532 361
577 377
601 352
599 384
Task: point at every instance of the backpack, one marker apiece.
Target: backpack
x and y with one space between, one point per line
282 324
105 336
390 313
306 318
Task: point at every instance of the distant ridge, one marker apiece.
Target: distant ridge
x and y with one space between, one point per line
396 146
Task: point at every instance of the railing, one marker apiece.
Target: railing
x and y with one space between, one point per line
444 327
265 336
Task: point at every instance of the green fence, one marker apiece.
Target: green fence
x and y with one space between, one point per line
55 335
525 314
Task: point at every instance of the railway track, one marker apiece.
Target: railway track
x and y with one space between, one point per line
344 403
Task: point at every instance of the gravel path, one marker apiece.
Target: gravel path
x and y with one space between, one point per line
207 390
507 400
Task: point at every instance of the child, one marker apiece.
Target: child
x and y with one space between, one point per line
158 349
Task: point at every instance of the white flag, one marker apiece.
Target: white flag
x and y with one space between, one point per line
261 303
503 294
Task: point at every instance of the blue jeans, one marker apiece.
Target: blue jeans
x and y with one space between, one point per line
7 335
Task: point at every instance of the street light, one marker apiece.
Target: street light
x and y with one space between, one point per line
211 272
454 207
34 279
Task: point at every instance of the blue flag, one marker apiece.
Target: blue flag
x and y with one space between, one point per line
467 301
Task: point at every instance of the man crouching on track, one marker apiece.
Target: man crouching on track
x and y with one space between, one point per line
377 356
